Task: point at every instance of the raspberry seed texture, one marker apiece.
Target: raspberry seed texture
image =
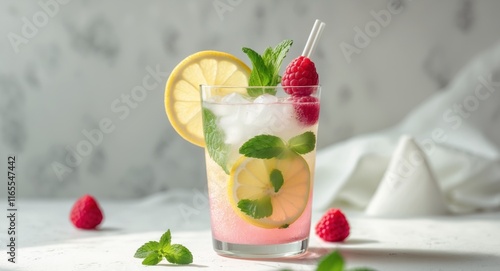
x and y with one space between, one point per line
300 72
333 226
86 213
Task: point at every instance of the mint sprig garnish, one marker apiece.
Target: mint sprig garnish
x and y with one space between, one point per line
260 75
266 67
269 146
153 252
214 139
273 57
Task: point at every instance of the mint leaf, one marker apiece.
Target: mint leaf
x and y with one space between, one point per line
331 262
214 139
303 143
266 68
260 75
165 239
153 251
258 208
267 56
263 147
147 249
276 178
274 61
284 226
152 259
178 254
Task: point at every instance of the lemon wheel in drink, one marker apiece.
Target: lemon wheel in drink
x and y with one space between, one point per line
281 184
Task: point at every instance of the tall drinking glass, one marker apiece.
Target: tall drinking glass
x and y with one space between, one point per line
260 156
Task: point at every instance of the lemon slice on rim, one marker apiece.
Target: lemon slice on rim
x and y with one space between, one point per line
253 185
182 91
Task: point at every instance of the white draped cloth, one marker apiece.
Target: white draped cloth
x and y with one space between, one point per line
458 133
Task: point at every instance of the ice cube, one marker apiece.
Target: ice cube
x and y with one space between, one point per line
266 99
254 114
225 106
234 134
234 98
266 115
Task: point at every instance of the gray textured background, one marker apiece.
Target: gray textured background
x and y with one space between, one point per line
67 67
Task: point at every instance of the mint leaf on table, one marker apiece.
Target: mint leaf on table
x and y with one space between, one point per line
165 239
152 259
214 139
277 180
147 249
266 68
153 252
331 262
335 262
178 254
263 147
258 208
303 143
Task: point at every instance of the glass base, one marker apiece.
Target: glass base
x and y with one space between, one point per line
260 251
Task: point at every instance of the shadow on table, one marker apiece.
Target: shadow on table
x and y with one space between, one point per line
314 254
413 257
179 265
357 256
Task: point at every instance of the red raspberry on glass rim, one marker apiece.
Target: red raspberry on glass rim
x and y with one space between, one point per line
299 73
300 80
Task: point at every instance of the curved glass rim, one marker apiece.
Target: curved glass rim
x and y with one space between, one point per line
278 86
209 91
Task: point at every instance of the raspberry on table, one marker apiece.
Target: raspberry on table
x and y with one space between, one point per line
86 213
333 226
300 72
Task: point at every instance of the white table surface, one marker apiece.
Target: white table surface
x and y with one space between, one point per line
48 241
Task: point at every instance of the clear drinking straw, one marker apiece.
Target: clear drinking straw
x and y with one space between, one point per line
313 38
